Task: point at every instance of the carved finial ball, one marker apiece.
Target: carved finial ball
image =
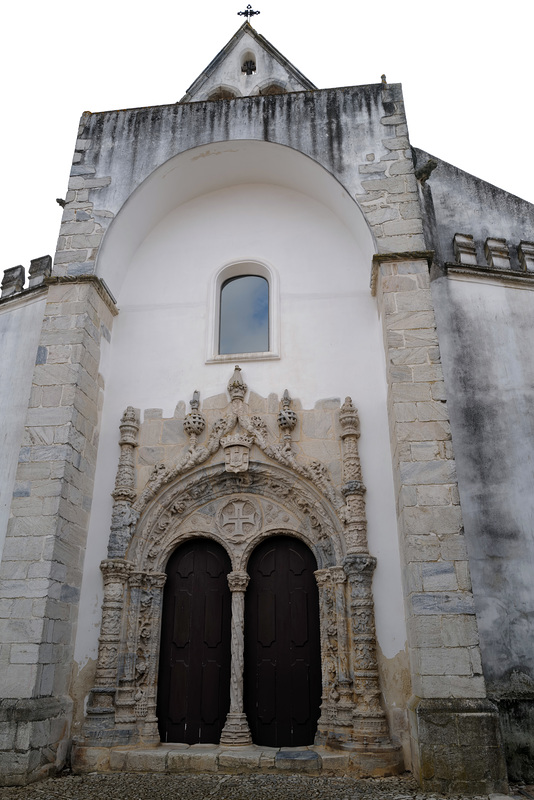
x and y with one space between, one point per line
237 389
194 423
348 417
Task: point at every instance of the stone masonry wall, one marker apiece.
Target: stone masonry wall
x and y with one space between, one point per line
44 550
443 640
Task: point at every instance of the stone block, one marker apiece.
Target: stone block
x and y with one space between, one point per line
445 760
409 355
410 392
290 760
178 761
459 631
13 281
443 603
411 320
424 451
424 337
400 227
24 654
427 472
204 760
146 760
421 548
18 680
405 412
246 759
444 661
439 576
497 253
428 372
433 495
464 249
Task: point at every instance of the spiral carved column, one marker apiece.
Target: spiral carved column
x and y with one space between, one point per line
123 517
236 730
102 696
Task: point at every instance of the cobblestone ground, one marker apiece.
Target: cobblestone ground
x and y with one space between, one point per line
221 787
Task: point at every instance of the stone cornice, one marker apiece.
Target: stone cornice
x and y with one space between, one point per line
100 286
383 258
502 276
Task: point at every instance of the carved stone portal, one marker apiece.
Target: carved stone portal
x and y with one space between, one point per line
239 503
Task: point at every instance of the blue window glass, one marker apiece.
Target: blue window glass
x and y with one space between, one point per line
244 315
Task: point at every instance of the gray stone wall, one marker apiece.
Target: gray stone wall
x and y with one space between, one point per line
45 543
456 202
452 726
485 328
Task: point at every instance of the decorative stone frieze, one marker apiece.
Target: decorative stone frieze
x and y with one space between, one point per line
236 432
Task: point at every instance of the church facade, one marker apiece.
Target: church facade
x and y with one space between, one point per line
267 448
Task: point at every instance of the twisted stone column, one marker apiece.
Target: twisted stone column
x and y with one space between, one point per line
101 699
148 647
370 724
123 517
236 730
353 489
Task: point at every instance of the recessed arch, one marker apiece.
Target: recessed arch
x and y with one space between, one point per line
210 168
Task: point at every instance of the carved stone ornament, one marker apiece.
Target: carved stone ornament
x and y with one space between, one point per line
238 504
236 452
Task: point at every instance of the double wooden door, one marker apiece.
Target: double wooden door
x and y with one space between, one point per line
194 673
282 644
282 680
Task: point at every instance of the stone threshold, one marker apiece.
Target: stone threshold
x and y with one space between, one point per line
211 758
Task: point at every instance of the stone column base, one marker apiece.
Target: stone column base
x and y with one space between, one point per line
456 746
35 738
236 731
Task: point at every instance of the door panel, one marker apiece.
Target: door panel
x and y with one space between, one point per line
282 644
194 671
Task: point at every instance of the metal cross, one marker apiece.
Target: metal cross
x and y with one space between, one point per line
247 13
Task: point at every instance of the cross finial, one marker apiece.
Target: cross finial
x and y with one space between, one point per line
248 12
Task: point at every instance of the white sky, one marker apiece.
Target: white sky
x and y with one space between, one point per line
467 70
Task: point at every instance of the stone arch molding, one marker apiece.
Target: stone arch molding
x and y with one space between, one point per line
237 502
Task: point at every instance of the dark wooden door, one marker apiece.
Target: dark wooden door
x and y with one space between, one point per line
282 644
194 672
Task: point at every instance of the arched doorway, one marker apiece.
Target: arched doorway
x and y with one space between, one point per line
194 671
282 644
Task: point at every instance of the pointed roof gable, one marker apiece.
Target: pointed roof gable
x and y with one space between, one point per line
226 76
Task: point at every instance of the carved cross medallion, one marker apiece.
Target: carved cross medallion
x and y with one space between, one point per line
238 520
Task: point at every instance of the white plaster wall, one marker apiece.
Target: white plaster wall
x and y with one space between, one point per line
20 328
330 346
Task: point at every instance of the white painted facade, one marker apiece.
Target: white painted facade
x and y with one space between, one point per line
319 254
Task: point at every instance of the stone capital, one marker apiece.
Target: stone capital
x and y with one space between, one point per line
238 581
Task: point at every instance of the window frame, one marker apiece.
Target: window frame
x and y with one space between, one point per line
239 269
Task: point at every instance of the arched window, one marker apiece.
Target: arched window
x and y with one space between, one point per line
244 315
244 318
